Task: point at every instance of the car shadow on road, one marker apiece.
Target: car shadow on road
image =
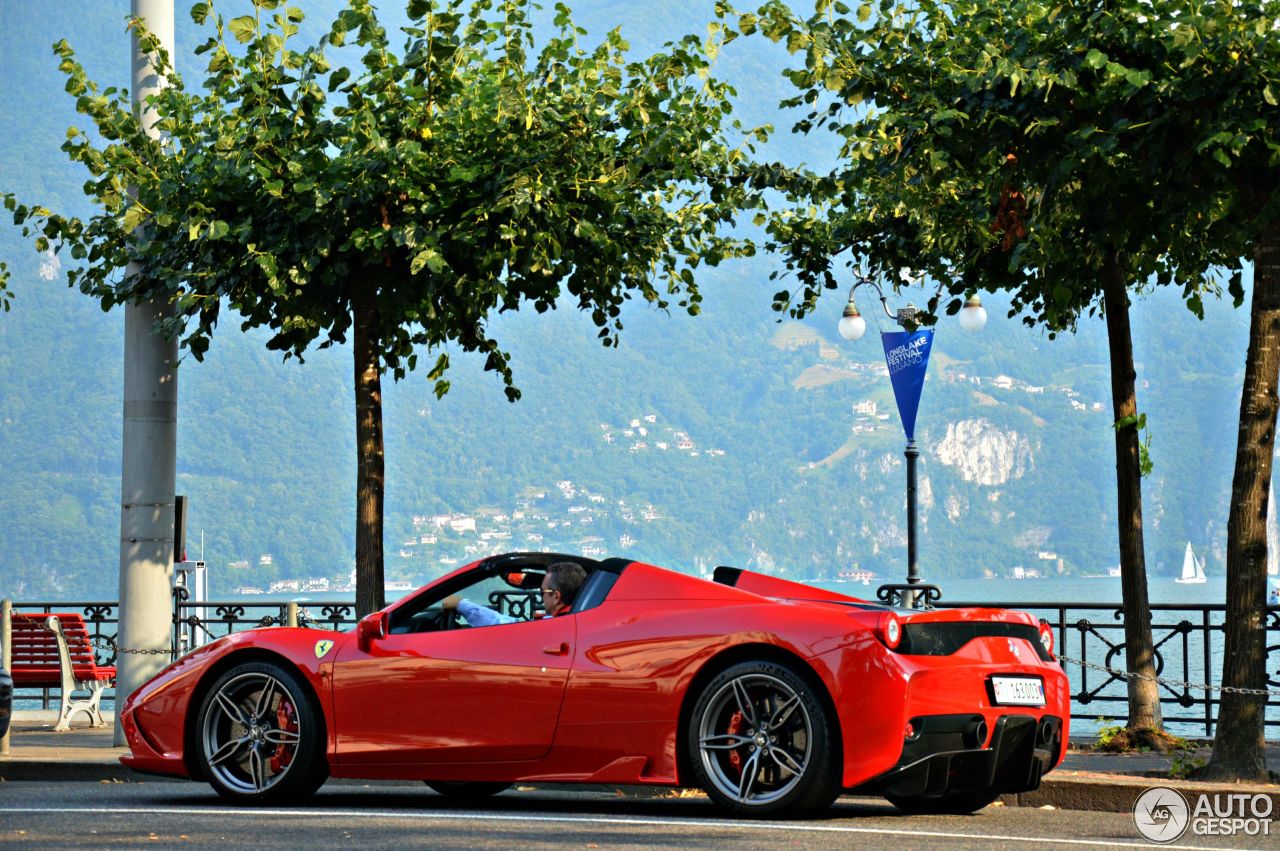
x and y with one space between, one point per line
593 801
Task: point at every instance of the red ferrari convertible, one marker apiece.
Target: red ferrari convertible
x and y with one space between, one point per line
771 695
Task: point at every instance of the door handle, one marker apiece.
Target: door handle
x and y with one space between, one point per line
561 649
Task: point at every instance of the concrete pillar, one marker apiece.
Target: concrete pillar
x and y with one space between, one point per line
150 445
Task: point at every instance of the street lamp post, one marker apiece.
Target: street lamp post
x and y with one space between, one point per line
907 356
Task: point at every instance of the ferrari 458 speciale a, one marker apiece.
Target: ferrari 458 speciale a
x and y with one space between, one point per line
771 695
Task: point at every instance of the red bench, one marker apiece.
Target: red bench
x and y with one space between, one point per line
54 651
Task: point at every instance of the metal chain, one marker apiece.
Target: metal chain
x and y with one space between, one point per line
1126 675
108 644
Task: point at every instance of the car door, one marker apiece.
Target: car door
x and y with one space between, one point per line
477 694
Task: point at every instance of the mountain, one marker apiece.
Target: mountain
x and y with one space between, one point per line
766 443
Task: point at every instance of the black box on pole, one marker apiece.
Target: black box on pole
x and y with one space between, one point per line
179 528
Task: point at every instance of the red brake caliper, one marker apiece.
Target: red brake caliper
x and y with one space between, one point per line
735 727
286 719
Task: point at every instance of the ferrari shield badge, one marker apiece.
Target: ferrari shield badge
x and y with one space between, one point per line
323 647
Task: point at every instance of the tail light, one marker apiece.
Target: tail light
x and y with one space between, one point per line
1046 637
890 629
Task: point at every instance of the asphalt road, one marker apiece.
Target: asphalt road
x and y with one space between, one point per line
350 814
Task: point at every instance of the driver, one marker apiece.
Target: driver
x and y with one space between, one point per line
560 588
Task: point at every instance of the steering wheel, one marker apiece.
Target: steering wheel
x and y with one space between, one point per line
437 619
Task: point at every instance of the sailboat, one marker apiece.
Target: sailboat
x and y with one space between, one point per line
1192 569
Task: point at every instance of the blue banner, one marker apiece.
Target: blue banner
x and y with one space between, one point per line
907 355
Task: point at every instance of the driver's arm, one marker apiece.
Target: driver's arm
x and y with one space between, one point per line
476 615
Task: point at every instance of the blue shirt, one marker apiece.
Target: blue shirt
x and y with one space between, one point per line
482 615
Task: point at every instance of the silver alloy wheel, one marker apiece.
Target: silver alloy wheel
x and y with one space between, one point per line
755 739
251 732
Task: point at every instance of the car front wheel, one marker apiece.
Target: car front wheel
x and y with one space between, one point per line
762 742
260 738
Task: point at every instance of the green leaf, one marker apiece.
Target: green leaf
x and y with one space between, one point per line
199 12
1268 95
1137 79
243 28
1236 288
437 372
428 257
218 229
338 77
1095 58
133 217
864 12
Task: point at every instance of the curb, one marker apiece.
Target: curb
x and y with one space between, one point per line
57 770
1109 793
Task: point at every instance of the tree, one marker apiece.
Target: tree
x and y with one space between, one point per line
1069 155
401 203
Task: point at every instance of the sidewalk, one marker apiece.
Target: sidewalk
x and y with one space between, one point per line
1086 780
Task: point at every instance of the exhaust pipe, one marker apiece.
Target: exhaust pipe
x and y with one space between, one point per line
975 733
1048 732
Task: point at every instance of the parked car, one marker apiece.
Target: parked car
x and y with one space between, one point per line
6 700
771 695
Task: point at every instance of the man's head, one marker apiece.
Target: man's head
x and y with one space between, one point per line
561 585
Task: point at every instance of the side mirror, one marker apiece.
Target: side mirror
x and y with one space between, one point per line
371 627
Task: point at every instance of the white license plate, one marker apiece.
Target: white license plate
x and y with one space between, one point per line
1018 691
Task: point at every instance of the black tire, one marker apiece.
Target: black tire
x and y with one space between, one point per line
955 804
466 791
762 742
259 737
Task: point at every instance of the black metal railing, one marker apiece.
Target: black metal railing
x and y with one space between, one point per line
1188 643
196 623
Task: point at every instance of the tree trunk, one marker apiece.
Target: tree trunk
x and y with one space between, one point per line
1144 694
1238 746
370 464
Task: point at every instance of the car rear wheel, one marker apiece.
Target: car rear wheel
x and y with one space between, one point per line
459 790
260 738
955 804
762 742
